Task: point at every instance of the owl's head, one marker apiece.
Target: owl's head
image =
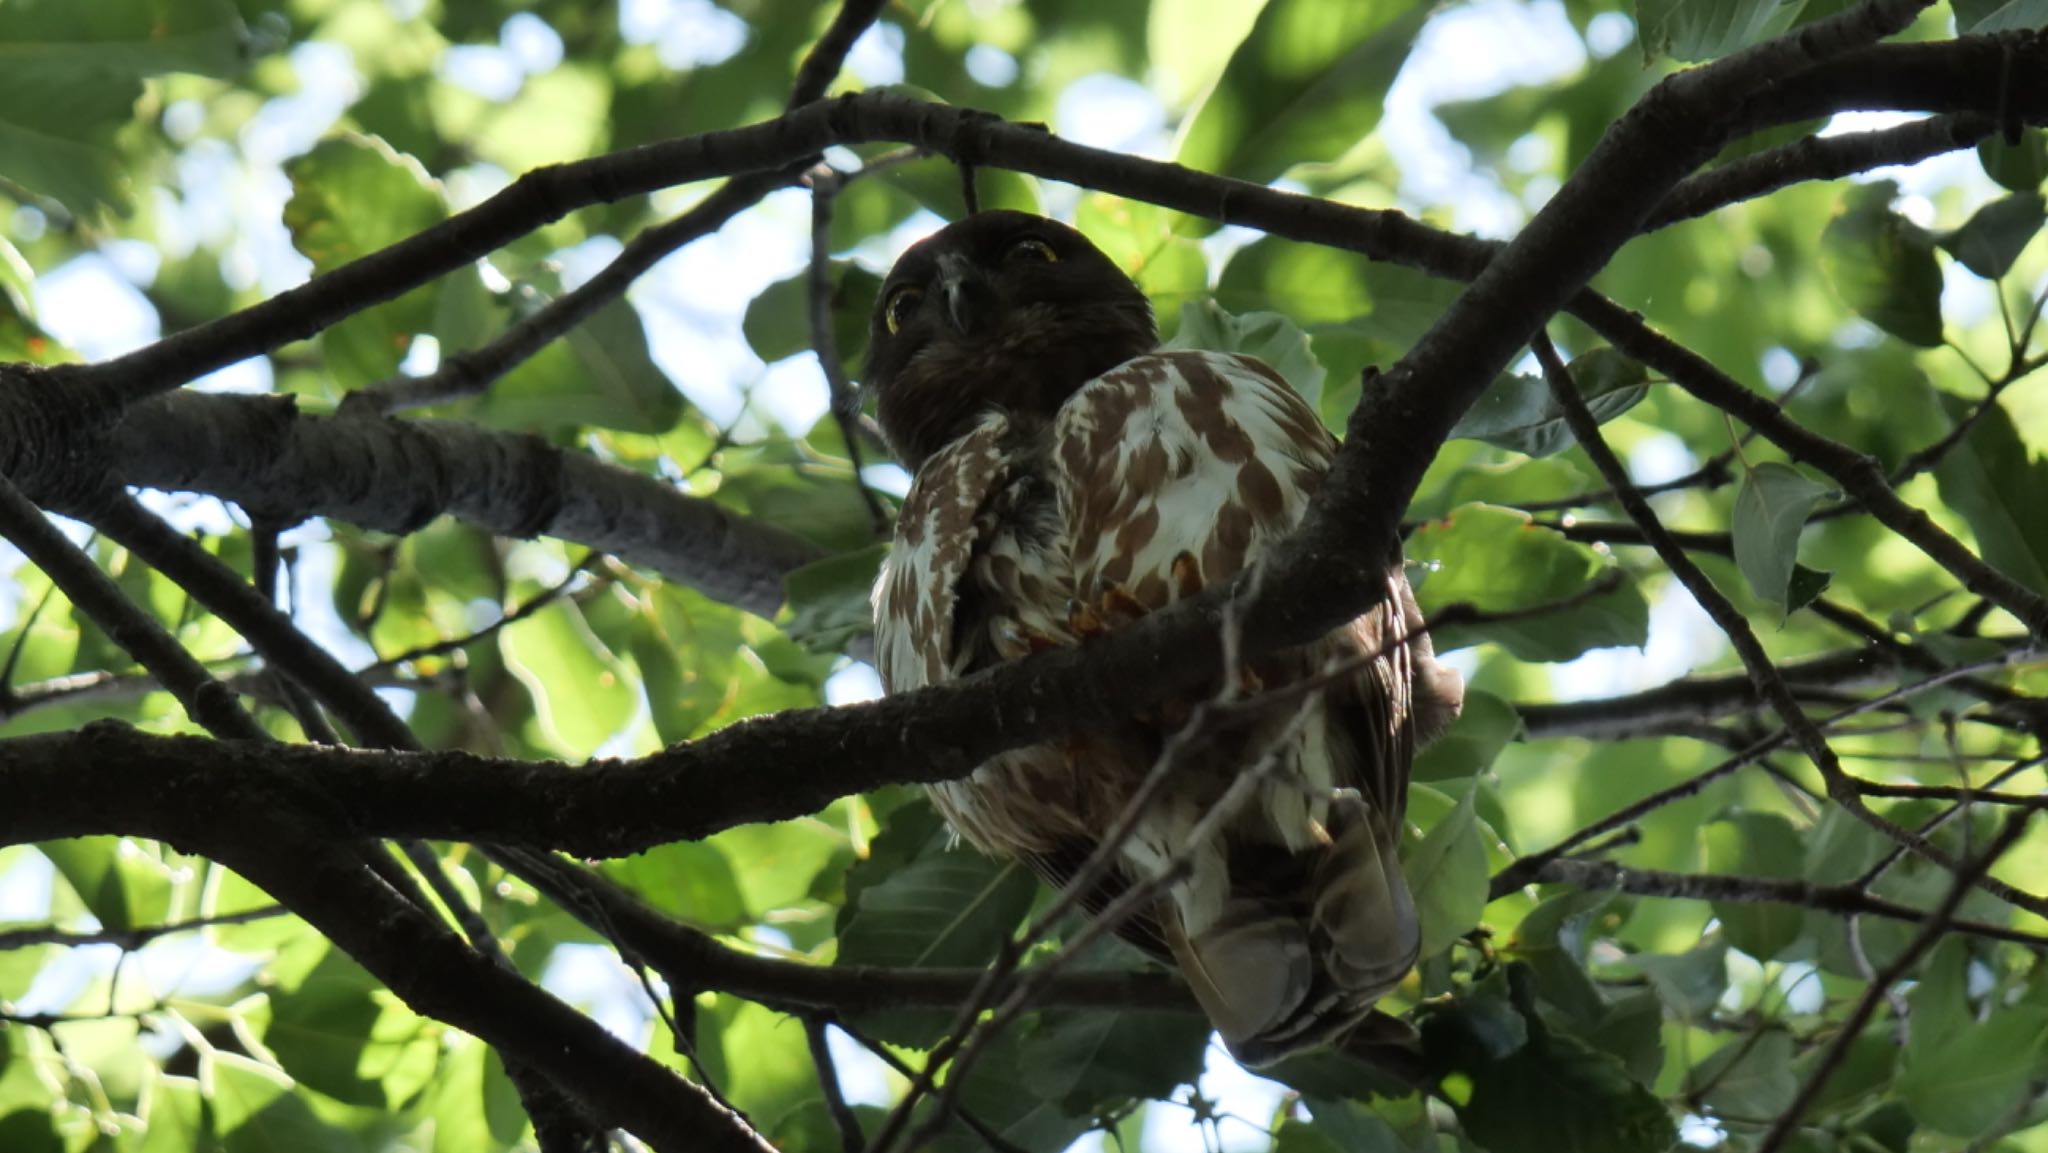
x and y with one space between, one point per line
1002 310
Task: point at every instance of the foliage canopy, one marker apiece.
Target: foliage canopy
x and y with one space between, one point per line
1758 877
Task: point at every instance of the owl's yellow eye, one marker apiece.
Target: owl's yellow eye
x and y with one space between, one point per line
1031 248
901 302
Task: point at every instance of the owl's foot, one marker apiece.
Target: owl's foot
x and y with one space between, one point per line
1112 609
1015 642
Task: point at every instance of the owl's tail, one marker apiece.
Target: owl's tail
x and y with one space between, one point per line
1289 966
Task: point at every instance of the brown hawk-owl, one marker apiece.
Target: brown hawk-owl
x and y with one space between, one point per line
1071 475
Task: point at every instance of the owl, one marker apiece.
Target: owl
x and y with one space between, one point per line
1071 476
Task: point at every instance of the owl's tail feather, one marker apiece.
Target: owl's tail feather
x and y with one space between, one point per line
1277 977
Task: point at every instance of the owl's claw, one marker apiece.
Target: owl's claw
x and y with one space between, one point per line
1111 609
1015 642
1187 575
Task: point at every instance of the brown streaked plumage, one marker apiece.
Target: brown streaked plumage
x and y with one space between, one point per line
1069 476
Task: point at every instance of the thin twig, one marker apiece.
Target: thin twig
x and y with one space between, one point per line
1934 927
851 1139
1770 683
131 940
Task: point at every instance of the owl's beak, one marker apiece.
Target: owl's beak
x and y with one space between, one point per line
970 300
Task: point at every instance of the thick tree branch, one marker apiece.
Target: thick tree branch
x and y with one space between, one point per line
397 475
1752 85
1819 158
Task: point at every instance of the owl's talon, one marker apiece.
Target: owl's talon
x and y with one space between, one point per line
1120 605
1113 608
1187 574
1015 642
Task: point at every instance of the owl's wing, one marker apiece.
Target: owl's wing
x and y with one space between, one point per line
918 589
1177 470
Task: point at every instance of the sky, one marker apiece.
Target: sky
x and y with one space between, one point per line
692 304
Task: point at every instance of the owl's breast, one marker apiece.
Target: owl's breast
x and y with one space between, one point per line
1020 580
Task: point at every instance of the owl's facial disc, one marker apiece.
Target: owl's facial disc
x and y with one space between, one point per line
1003 311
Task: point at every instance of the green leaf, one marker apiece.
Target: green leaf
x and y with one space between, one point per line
827 600
1496 559
1999 485
934 184
945 908
1553 941
602 374
1305 86
1088 1060
319 1031
1632 1029
690 880
1977 1077
998 1092
1979 17
582 694
1170 268
1882 265
239 1088
352 196
473 1104
1479 1026
1517 411
1302 1137
1447 873
121 887
1770 510
928 906
72 74
1748 1077
1756 845
1266 336
1691 983
1696 30
1351 1128
1584 1098
177 1118
1996 234
2020 166
778 321
1482 730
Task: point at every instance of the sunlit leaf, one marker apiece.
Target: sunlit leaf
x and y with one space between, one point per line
1985 16
1265 336
1483 728
1694 30
353 195
74 72
1447 874
1304 86
1497 560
